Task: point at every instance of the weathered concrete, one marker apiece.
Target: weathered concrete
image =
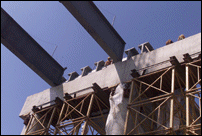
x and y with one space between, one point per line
151 61
145 47
41 98
131 52
85 70
120 71
90 17
73 75
99 65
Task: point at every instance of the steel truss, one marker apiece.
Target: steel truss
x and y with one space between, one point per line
164 102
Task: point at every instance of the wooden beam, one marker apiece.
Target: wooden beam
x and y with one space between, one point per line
128 111
187 97
88 114
51 118
171 100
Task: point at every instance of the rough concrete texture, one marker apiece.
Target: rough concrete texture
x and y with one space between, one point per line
120 71
41 98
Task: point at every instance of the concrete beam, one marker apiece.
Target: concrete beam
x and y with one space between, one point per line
73 75
145 47
85 70
99 65
150 61
131 52
20 43
90 17
41 98
121 71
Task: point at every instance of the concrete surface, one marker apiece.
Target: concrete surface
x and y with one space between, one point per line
120 71
41 98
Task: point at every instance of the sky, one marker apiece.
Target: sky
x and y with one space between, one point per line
52 25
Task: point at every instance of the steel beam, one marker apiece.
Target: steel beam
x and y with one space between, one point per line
20 43
90 17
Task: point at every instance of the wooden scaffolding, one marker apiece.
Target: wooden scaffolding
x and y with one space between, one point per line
167 101
85 114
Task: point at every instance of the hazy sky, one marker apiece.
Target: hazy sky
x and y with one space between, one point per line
51 25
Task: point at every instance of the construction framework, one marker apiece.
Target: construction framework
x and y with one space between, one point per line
74 115
66 117
43 118
167 101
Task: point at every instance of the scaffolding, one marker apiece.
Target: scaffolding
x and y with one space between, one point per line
66 117
167 101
